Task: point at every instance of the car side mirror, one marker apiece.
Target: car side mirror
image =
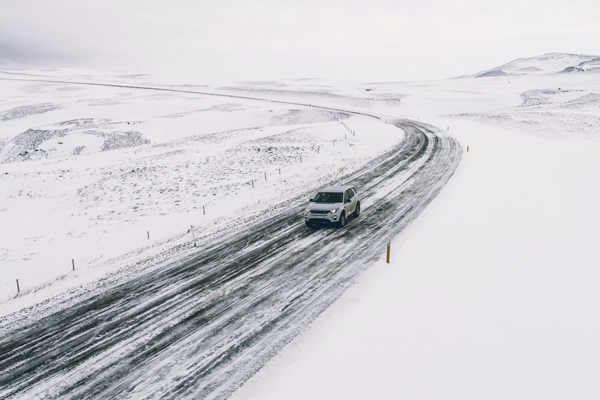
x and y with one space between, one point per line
348 200
311 200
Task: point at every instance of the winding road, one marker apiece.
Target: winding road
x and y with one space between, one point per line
199 328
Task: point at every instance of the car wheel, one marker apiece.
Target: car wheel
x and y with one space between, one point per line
342 222
357 210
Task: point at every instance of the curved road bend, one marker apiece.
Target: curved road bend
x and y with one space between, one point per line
201 328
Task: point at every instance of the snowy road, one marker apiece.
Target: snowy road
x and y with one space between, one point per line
201 327
185 91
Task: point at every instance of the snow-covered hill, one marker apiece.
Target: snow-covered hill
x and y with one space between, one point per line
544 64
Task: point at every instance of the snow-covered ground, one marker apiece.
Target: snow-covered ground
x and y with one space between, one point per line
492 292
105 176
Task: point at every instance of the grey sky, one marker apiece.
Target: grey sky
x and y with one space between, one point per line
354 40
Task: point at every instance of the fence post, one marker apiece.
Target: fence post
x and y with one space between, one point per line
467 149
148 232
387 259
252 183
266 172
203 210
193 234
73 262
18 288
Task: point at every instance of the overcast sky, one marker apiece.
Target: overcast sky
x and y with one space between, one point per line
262 39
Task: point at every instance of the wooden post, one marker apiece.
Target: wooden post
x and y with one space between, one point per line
203 210
18 288
73 262
467 149
318 147
148 232
252 183
300 158
193 234
265 175
389 245
279 171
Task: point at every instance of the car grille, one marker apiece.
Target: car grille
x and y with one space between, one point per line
319 211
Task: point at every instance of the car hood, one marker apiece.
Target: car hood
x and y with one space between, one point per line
324 206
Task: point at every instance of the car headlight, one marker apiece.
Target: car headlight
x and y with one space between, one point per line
333 211
307 210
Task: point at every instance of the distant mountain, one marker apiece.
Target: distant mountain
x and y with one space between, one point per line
545 64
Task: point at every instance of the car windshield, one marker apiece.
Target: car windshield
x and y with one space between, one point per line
328 197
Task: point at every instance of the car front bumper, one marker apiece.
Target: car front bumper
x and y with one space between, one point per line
329 218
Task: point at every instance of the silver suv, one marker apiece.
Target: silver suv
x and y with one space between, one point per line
332 205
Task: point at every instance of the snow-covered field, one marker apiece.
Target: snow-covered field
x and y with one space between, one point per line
105 175
492 292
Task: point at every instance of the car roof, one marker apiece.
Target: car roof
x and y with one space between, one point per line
335 188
